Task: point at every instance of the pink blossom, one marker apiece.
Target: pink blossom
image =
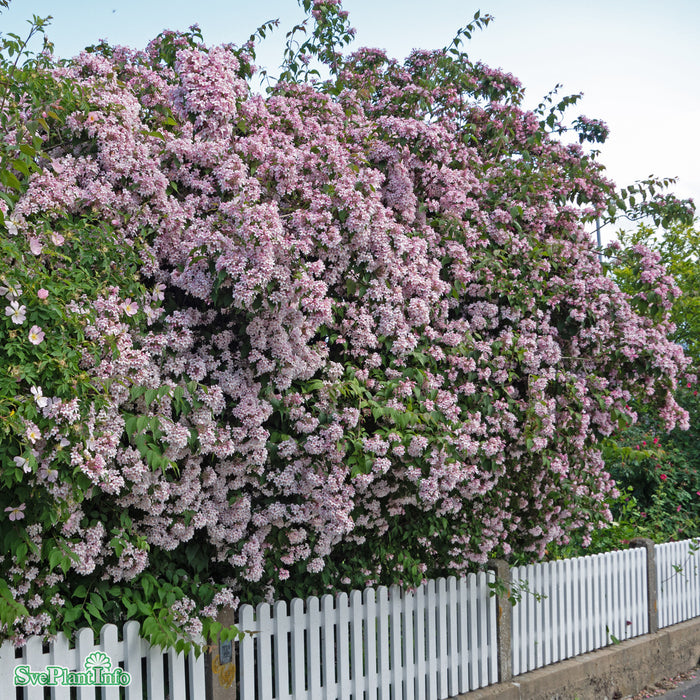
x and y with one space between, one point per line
12 226
36 335
33 433
16 512
17 312
22 463
130 307
35 246
42 293
39 397
12 291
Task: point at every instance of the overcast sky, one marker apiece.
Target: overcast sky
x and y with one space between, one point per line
636 61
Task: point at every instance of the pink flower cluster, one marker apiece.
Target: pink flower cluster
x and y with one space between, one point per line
365 325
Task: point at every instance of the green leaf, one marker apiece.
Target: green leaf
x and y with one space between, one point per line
137 391
21 166
10 180
71 614
55 558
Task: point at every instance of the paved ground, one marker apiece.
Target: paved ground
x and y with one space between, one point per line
688 689
683 687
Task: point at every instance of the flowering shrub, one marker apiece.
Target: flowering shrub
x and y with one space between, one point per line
662 469
346 333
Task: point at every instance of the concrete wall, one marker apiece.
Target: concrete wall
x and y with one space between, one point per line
607 674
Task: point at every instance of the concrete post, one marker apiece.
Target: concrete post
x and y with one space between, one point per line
653 611
504 614
220 664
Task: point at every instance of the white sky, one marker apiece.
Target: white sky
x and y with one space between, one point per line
636 61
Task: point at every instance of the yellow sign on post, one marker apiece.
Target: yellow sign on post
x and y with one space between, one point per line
226 673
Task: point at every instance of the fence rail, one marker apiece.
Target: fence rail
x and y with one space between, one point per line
432 643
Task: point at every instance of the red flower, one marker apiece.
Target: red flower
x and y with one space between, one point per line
663 477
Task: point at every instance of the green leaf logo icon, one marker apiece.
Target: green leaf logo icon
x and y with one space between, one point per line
98 659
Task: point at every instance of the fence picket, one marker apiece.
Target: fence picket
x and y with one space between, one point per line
546 604
536 587
383 642
660 556
155 673
609 600
298 623
531 627
408 612
85 645
614 602
516 630
642 593
109 643
489 605
176 675
197 674
695 587
619 574
280 644
589 621
314 652
342 641
370 606
578 592
431 637
561 610
464 650
356 652
681 560
246 651
35 658
630 593
420 644
265 666
395 641
441 647
133 645
599 601
487 634
330 680
60 654
453 649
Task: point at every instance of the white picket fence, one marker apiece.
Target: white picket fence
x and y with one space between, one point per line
156 674
435 642
677 581
572 606
432 643
440 641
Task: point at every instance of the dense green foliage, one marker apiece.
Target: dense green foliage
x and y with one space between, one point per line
661 470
